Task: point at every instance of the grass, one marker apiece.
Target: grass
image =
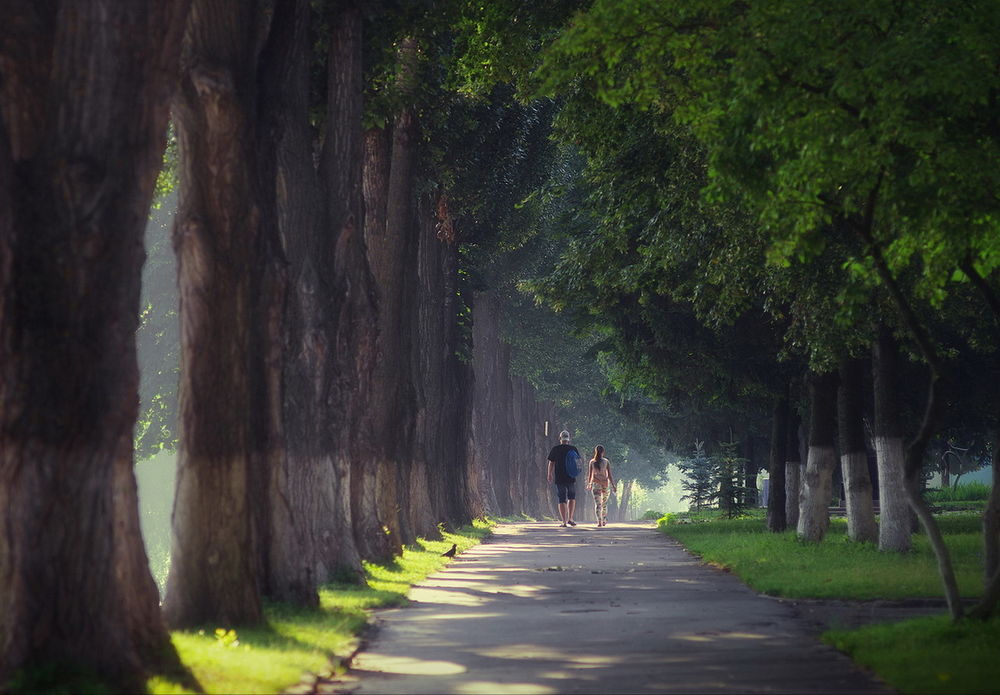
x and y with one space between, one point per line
295 641
966 492
778 564
928 655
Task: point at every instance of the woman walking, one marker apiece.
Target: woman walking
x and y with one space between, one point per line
599 480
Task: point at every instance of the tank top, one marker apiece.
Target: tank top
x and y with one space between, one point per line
601 473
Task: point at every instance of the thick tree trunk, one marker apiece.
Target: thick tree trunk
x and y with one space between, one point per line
297 485
776 517
428 484
374 482
214 569
861 524
83 112
793 470
814 512
392 252
346 417
488 428
894 512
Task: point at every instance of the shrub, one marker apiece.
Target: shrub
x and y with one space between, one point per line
960 493
650 515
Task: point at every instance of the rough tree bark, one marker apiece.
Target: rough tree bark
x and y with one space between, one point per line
374 483
214 568
776 517
284 486
428 484
346 420
391 253
894 512
793 470
84 102
861 524
490 454
814 511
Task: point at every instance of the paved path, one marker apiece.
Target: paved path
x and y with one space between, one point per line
623 609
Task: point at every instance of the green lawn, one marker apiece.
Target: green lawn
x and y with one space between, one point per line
925 655
928 655
779 564
296 641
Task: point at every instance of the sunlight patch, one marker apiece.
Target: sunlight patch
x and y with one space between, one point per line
407 665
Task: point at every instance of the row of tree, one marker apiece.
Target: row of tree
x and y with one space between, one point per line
343 384
774 196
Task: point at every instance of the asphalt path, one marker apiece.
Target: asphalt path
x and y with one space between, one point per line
620 609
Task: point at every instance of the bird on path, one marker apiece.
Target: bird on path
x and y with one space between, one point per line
450 552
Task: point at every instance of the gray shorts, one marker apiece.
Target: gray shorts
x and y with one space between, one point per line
566 491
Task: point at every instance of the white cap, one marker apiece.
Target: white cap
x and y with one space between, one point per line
564 436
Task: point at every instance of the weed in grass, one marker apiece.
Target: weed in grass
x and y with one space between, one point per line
928 655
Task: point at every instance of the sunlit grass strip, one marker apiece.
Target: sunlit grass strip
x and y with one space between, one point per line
779 564
297 641
928 655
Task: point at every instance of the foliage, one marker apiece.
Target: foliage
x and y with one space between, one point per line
729 471
651 515
779 564
927 655
295 641
715 481
699 478
158 338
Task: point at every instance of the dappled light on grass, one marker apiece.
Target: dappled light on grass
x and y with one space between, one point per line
298 641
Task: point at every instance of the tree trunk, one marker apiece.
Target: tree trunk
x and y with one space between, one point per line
917 446
428 489
374 483
861 524
298 483
814 511
624 505
991 540
793 470
894 512
391 253
347 421
83 115
776 517
214 570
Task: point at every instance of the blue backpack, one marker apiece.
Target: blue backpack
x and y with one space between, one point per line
572 463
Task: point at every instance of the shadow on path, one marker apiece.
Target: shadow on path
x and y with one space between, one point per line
623 609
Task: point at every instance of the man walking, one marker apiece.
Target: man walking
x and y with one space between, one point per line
565 483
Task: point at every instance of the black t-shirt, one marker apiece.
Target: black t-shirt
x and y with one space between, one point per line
558 457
